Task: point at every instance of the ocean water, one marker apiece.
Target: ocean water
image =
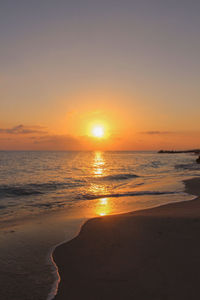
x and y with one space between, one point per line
46 196
34 182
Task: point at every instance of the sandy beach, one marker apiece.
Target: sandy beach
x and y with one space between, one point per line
147 254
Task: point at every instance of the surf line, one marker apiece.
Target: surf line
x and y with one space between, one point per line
51 262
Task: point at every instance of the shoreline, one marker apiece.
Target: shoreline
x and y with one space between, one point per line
55 272
27 271
86 236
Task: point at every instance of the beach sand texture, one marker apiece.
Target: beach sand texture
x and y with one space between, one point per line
148 254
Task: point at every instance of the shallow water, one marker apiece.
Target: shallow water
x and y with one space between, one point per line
46 196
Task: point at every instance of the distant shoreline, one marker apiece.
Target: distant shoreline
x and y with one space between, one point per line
195 151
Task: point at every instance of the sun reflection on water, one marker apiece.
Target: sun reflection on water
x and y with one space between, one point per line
98 169
98 164
103 201
98 188
103 207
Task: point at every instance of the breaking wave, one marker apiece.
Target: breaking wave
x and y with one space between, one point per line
36 188
124 176
188 166
136 193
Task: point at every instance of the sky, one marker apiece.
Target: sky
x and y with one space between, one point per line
130 66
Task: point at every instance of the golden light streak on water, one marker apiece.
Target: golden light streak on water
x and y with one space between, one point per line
103 207
98 164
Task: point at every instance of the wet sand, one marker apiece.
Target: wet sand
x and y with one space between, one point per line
148 254
25 269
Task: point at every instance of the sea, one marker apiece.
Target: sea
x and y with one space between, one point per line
45 196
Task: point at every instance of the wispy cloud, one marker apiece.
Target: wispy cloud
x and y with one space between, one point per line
22 129
156 132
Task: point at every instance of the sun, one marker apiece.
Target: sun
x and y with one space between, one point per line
98 131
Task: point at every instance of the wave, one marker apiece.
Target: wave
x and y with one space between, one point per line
36 188
188 166
54 204
138 193
119 176
17 191
81 197
2 206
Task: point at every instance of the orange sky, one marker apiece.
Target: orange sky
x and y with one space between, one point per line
123 130
132 67
136 127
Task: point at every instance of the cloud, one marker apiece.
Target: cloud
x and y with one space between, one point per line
22 129
157 132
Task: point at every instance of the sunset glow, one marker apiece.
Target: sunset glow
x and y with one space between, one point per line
100 96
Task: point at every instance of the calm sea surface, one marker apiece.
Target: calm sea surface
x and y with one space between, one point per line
46 196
